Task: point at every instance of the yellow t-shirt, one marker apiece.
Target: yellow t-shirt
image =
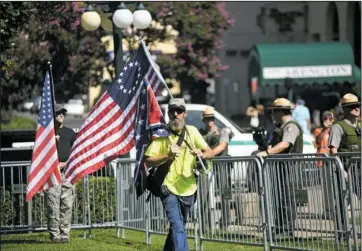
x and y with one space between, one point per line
180 179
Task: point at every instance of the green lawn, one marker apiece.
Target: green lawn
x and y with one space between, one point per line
102 240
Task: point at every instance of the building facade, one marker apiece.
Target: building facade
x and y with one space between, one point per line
278 22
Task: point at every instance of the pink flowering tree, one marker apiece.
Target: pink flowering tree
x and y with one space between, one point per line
33 33
201 26
47 31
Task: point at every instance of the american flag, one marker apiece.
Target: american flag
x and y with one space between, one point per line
150 123
108 132
44 171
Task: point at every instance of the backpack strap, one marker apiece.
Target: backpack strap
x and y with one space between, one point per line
181 138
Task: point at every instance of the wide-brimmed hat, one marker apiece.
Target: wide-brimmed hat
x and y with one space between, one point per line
281 104
349 99
177 103
59 108
208 112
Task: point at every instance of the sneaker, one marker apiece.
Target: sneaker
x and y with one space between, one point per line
64 240
55 241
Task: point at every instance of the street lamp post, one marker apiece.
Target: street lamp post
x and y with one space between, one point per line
121 18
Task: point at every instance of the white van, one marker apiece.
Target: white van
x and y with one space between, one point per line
242 143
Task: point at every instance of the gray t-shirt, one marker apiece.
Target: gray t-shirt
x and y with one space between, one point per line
224 135
290 133
336 134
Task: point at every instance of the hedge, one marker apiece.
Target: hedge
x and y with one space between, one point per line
19 122
102 204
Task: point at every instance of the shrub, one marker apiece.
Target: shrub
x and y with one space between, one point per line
102 204
6 213
102 199
19 122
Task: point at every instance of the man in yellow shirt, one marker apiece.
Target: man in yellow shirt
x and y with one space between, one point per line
180 184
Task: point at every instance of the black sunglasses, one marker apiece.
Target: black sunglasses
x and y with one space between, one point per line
208 119
58 113
355 107
177 110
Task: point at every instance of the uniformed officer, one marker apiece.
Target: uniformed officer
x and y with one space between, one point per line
218 140
287 138
59 199
345 136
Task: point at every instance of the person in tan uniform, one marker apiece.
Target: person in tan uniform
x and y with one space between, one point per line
287 138
345 136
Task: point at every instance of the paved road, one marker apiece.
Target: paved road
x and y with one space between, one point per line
70 121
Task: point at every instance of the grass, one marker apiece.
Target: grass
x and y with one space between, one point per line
102 239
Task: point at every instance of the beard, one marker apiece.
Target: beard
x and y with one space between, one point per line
177 124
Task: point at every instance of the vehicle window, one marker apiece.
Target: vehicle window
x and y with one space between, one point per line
75 102
195 118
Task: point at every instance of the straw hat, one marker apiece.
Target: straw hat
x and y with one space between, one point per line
209 112
281 103
349 99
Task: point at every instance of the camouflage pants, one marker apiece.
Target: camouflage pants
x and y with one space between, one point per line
59 202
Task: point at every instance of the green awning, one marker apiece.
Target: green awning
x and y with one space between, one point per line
357 74
303 63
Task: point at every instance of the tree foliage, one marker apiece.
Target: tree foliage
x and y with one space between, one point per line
34 33
200 26
38 32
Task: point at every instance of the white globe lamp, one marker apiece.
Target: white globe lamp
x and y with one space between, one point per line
90 20
122 17
141 18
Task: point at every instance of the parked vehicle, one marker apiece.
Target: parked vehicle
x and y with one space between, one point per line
75 107
241 144
36 105
26 106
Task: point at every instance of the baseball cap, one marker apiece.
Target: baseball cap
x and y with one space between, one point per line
59 109
177 103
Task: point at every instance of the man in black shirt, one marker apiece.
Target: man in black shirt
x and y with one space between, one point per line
60 198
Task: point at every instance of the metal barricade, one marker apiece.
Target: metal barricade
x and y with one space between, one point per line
354 188
299 190
295 202
16 214
19 216
138 215
345 156
232 213
132 213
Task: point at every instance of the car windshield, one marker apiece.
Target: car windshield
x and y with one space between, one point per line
75 102
195 118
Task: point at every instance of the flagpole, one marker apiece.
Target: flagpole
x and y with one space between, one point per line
155 67
52 87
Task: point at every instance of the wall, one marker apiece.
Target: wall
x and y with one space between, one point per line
253 25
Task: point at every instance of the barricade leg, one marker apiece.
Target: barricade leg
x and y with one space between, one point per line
199 211
148 222
354 188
